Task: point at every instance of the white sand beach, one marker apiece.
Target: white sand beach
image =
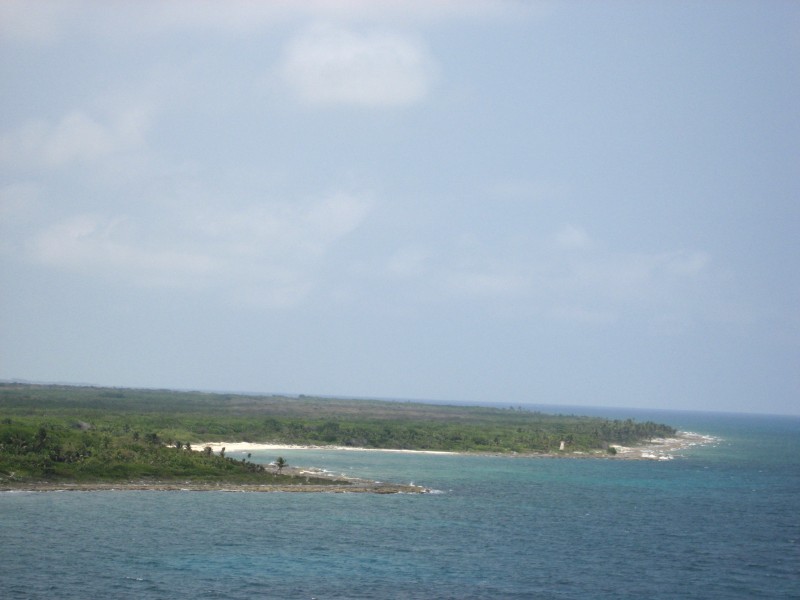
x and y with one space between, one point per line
252 446
656 449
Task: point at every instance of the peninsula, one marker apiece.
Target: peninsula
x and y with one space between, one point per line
72 437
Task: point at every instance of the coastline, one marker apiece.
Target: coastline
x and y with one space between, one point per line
656 449
664 448
351 486
338 484
256 446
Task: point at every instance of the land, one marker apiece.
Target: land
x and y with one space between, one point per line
338 485
72 437
654 449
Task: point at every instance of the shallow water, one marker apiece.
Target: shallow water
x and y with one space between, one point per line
717 522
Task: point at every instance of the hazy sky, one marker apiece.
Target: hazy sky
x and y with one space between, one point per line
592 203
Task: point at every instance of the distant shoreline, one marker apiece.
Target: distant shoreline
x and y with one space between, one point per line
665 448
257 446
657 449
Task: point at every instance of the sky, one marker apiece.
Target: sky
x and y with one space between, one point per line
568 203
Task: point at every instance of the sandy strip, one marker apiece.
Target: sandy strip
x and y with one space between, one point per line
657 449
252 447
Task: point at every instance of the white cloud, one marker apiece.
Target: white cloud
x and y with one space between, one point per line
328 65
575 279
38 23
410 261
267 254
300 230
626 277
76 138
334 217
572 237
49 21
105 246
685 263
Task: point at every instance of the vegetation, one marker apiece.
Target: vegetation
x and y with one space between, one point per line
32 450
93 433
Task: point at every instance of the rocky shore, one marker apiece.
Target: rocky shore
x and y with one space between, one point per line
664 448
164 486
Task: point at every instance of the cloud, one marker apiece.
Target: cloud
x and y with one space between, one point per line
572 237
108 246
334 217
300 230
627 274
331 66
685 263
268 253
36 23
408 262
46 22
576 279
76 138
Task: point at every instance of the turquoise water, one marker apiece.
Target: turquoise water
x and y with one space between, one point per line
716 522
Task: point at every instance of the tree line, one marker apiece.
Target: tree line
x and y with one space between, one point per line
90 431
32 449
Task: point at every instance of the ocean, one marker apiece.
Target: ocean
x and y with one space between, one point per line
718 521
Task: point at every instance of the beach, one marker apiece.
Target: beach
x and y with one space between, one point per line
656 449
257 447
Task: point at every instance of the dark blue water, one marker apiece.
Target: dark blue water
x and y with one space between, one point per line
720 521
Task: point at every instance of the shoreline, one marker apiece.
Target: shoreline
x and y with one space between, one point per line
656 449
659 449
257 446
664 448
353 487
339 484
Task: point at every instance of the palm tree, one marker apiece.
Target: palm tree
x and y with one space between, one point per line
280 462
